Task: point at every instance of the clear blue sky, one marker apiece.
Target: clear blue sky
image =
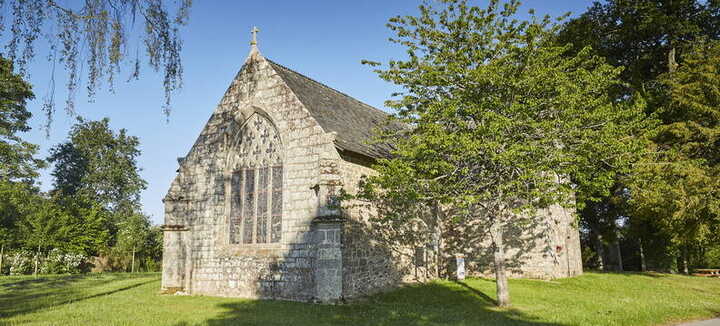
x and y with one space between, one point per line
323 39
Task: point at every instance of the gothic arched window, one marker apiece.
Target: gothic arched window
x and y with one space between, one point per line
256 183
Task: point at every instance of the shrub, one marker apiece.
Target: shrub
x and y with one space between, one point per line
59 262
21 262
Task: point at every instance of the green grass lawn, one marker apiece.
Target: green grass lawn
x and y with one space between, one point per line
591 299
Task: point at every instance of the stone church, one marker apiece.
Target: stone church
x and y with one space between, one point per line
249 213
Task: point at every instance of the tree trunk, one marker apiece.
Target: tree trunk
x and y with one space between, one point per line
643 266
686 269
437 236
597 241
2 254
132 265
37 258
501 282
619 255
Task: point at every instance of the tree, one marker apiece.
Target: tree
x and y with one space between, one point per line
134 235
100 165
18 165
678 188
12 195
504 121
85 226
647 38
601 218
96 169
642 36
96 34
17 161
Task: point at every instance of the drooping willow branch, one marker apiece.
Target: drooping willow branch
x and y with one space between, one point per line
90 41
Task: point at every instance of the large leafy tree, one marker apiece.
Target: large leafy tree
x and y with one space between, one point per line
99 164
647 38
17 161
678 188
504 122
643 36
96 37
18 165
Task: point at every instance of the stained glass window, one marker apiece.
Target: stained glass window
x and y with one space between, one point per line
262 206
276 219
235 207
249 206
256 183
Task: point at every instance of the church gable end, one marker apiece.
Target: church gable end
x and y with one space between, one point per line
243 200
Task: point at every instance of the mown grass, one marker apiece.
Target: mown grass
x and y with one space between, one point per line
591 299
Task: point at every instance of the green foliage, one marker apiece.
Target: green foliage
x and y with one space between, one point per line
639 35
72 227
502 123
134 235
712 257
100 165
677 188
12 198
17 162
153 250
95 34
502 119
134 232
500 112
20 262
98 182
648 39
59 262
97 188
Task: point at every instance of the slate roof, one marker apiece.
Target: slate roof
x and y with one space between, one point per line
354 122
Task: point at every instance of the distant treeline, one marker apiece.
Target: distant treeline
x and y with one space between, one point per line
92 218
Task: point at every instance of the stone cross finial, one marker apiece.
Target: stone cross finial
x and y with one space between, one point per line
254 32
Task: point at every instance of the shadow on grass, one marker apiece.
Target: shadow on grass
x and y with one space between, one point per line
631 273
429 304
30 295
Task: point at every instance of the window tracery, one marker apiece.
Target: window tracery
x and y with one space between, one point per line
256 168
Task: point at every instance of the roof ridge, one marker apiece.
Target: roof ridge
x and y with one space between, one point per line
328 87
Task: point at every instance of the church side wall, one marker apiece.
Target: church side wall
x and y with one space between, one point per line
275 270
368 265
546 246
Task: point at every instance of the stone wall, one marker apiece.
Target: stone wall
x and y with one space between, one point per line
369 266
545 246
